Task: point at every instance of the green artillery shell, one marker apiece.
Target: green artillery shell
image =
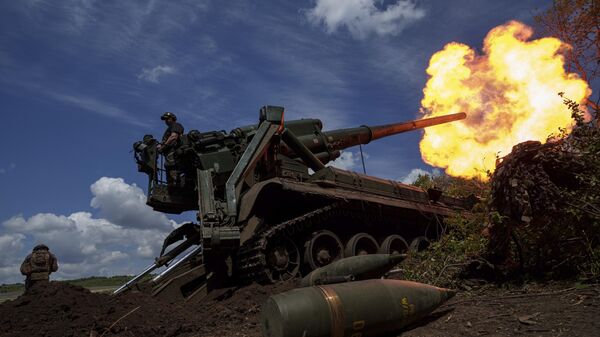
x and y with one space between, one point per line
353 309
360 267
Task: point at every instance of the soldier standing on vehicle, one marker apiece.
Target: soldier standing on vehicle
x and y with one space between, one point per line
38 266
170 142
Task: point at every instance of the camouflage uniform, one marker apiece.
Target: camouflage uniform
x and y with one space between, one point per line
169 150
38 266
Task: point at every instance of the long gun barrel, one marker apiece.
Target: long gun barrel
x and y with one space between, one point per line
344 138
326 145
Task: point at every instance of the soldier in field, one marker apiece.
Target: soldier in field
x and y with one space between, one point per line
38 265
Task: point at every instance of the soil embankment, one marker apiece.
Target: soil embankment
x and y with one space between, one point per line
64 310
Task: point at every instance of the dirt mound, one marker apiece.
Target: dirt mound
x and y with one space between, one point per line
236 312
61 309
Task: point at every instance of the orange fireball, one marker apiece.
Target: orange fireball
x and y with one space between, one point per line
510 95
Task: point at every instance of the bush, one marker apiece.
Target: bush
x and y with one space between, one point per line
443 262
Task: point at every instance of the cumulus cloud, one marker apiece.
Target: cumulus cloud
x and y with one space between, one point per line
415 173
348 161
10 261
153 75
363 17
10 243
39 222
123 239
125 205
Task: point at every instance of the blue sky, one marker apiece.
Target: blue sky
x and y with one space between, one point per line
80 81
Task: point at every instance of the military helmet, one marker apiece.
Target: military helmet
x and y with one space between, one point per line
40 247
168 115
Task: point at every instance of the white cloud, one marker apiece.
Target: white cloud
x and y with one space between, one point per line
10 274
39 222
125 205
348 161
10 243
10 261
94 105
81 238
363 18
124 239
110 257
415 173
153 75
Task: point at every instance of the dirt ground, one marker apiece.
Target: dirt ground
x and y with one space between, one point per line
530 310
63 310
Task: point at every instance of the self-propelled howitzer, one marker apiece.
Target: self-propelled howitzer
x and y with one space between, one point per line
269 209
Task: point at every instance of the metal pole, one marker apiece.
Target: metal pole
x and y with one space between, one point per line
136 279
362 159
187 256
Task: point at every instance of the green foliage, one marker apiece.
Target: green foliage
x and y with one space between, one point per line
452 186
590 267
444 260
584 202
575 22
552 210
585 139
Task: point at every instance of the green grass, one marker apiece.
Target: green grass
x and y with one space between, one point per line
11 288
87 282
96 281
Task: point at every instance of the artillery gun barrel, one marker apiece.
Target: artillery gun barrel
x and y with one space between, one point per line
327 144
392 129
344 138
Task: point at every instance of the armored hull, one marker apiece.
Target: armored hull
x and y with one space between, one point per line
302 225
269 209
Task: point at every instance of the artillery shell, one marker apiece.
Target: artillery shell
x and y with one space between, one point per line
360 267
362 308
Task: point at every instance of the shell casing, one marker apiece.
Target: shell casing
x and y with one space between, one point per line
353 309
358 267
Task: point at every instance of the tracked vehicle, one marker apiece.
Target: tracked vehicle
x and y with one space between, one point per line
269 209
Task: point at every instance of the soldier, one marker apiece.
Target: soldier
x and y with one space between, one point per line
38 266
170 142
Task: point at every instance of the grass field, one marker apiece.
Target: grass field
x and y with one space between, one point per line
94 284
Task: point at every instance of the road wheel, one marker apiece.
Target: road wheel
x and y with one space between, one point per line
361 244
283 259
323 248
393 244
418 244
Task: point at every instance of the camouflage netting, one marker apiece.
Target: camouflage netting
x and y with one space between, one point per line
545 203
